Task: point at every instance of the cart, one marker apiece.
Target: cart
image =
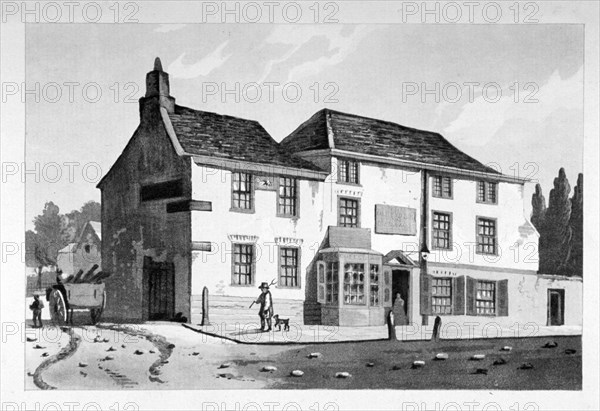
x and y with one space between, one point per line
64 298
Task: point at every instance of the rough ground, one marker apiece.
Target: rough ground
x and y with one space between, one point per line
173 357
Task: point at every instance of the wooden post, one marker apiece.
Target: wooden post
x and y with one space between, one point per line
205 307
391 326
437 324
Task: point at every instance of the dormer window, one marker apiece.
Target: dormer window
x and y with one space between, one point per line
442 187
348 171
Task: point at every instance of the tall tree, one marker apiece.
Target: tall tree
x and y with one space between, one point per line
538 212
575 263
554 243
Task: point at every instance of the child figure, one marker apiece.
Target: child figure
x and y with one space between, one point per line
36 306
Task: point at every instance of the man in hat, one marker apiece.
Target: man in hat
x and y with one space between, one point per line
266 307
36 308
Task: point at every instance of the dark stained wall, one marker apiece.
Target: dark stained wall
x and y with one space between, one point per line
133 229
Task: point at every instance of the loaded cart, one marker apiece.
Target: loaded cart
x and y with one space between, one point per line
77 294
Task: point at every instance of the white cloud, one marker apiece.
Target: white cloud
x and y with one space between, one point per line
165 28
297 36
480 120
204 67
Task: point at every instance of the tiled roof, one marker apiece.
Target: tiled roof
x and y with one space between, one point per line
365 135
233 138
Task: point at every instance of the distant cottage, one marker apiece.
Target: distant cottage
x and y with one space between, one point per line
345 214
83 253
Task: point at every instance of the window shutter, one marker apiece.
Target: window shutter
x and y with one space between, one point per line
425 294
321 282
387 287
459 295
502 298
471 294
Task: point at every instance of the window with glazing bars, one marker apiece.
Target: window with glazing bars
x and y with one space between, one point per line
441 295
486 236
348 171
442 187
348 212
354 284
243 260
442 231
487 192
242 191
374 285
288 263
287 198
331 283
485 302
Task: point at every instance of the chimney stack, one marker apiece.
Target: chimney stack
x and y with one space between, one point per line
157 89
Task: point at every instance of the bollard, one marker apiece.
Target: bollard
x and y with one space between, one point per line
437 324
391 326
205 307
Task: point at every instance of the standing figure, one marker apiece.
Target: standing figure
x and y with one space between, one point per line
266 307
399 311
36 306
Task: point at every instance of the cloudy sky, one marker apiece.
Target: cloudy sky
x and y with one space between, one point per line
509 95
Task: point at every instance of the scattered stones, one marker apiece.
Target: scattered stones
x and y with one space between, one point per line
111 348
526 366
500 361
164 362
227 375
370 364
441 356
138 352
551 344
29 374
171 346
195 353
297 373
109 357
225 365
314 355
106 340
343 374
38 347
83 364
418 364
31 339
396 367
151 351
483 371
83 373
478 357
97 339
268 368
506 348
123 346
45 354
570 351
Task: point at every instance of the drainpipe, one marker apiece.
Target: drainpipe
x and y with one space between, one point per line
423 250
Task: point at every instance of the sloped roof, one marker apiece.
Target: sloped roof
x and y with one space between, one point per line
97 226
68 248
211 134
329 129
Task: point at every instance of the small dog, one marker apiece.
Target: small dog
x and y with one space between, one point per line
284 321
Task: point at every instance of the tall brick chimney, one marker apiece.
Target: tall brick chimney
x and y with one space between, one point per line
157 90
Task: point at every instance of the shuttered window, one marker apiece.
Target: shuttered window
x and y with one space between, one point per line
441 295
487 297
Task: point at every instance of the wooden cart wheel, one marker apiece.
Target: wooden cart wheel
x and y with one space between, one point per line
58 308
96 313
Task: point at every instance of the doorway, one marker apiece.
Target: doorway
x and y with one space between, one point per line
160 285
556 307
401 284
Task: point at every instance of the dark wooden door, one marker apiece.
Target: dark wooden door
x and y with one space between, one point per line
160 286
556 307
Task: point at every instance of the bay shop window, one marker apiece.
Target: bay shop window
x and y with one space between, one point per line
352 286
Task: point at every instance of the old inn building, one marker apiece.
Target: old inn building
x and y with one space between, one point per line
341 217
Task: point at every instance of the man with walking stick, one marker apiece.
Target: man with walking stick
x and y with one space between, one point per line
266 307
